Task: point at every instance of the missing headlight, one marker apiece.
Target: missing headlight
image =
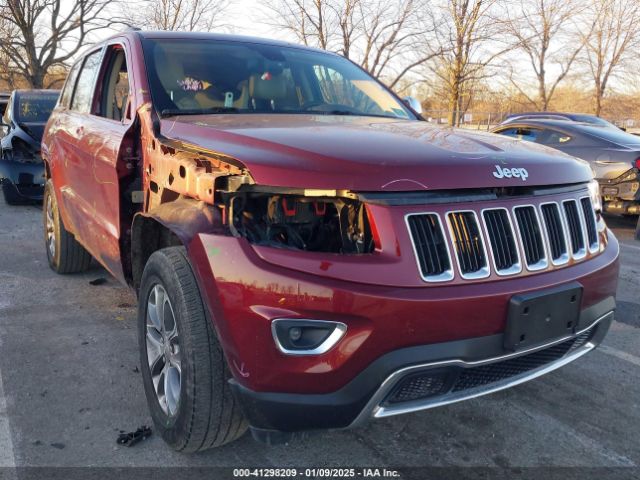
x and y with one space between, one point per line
315 224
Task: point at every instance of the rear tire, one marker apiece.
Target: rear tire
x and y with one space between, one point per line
183 367
638 230
64 253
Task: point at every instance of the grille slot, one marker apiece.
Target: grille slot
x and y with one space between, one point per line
501 238
430 246
467 241
555 231
575 227
590 221
530 236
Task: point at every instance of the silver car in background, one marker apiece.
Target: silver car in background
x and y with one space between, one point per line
613 154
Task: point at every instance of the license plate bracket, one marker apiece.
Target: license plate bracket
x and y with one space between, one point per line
540 317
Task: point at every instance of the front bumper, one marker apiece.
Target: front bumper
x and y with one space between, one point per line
410 379
26 180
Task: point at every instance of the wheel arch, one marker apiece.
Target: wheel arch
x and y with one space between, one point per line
168 225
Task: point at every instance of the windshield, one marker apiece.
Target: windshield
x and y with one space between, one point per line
209 76
35 108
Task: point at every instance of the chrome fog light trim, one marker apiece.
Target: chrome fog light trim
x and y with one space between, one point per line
330 333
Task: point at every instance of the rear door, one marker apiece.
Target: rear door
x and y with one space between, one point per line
70 159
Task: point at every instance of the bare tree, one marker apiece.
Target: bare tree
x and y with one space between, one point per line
469 33
388 38
545 31
179 15
613 40
38 35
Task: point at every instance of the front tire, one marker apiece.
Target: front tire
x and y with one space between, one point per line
184 372
64 253
638 230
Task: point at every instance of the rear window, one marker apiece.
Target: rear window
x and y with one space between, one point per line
554 137
35 108
614 135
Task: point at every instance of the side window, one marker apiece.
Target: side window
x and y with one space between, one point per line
553 137
114 93
67 91
521 133
508 132
83 93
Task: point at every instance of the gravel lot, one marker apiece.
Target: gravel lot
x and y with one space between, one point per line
69 382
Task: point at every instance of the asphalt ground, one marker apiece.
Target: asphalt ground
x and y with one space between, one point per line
70 381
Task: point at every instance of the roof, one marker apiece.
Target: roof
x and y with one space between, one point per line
163 34
562 124
564 114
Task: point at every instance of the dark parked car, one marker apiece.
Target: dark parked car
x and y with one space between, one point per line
614 156
307 252
4 100
21 167
572 117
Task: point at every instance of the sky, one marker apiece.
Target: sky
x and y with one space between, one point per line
243 17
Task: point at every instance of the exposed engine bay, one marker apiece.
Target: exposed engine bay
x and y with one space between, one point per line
316 224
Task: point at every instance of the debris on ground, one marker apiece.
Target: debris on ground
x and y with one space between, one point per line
98 281
131 438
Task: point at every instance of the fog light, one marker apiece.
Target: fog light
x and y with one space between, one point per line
295 334
306 337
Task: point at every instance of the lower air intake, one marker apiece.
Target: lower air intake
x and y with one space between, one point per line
431 383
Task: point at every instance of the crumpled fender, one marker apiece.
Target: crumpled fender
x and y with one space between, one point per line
172 223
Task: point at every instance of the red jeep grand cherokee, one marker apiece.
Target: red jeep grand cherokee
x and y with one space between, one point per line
307 252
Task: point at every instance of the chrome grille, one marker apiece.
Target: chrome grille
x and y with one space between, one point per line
531 236
575 228
468 244
590 222
502 241
431 248
555 233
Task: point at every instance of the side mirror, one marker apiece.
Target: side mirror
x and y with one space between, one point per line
413 103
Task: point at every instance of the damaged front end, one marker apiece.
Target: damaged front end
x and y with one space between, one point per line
314 221
21 167
330 221
21 172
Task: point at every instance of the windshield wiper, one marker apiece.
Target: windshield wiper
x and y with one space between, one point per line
342 112
168 112
347 113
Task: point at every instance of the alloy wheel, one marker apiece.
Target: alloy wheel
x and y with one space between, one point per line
163 350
